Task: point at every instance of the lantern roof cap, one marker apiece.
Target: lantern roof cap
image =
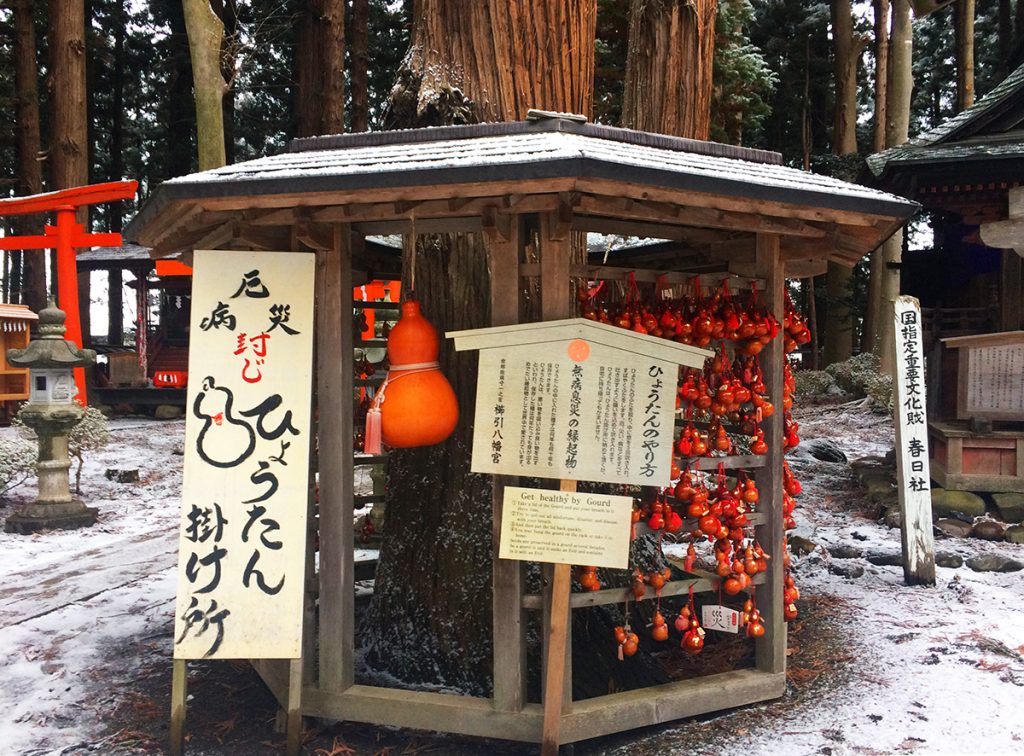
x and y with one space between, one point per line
51 350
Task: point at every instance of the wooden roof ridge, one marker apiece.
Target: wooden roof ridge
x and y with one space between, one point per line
528 334
969 124
506 128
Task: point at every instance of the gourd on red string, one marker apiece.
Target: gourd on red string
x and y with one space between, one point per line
415 406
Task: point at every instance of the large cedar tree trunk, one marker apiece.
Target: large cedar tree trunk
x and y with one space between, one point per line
69 164
29 170
205 37
430 618
881 26
668 67
839 325
963 29
901 85
360 96
320 69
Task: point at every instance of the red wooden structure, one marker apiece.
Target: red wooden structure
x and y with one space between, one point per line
66 236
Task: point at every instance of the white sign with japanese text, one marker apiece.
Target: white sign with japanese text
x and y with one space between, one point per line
565 527
575 410
995 382
914 474
242 543
720 618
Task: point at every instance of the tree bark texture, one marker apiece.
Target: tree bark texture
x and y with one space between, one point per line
205 37
180 157
430 618
359 79
227 12
901 84
668 67
308 74
69 159
320 69
881 23
493 60
839 324
1005 37
963 31
29 171
333 29
881 10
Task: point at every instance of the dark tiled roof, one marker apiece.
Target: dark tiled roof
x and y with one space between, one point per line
969 135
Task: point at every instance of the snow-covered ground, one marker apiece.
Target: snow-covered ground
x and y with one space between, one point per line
85 623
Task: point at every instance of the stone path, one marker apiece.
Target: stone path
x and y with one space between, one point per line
67 578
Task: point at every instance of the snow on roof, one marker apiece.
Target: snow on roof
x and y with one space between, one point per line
526 155
127 252
963 136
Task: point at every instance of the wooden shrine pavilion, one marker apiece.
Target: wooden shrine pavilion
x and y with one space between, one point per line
967 172
962 172
525 186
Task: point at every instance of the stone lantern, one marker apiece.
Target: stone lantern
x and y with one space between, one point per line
51 412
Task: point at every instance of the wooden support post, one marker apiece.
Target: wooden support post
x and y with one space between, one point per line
556 651
771 647
179 694
294 728
336 631
1010 292
115 307
556 304
509 627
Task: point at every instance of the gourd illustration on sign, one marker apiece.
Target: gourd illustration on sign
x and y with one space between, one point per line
226 440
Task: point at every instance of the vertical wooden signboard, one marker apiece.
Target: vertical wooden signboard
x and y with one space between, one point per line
242 540
915 494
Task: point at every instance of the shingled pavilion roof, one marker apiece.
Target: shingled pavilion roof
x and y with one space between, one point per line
612 181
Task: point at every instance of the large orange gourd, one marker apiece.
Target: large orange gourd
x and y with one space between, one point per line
416 404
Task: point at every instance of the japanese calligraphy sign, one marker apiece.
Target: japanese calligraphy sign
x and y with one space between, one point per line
246 479
575 400
565 526
995 381
915 493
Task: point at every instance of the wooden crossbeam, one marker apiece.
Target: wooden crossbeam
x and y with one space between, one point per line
685 215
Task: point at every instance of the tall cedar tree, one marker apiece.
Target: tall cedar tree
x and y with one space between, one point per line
205 38
360 60
847 44
668 67
430 618
29 171
320 68
900 87
963 29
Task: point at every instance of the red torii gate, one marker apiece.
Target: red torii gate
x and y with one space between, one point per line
65 237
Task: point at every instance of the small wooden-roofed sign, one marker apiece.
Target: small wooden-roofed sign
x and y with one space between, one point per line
576 400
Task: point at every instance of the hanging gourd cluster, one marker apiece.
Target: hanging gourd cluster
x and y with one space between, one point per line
721 408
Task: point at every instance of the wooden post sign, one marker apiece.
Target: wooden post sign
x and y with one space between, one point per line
573 400
915 494
242 544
